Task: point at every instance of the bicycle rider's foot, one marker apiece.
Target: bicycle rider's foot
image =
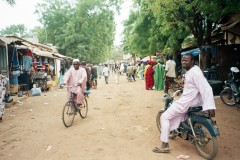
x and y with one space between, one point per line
79 106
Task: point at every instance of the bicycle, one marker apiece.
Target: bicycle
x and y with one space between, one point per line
70 109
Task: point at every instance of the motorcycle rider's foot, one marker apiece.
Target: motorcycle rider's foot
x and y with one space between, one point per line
165 145
163 149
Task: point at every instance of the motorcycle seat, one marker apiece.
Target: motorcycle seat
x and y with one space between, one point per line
195 109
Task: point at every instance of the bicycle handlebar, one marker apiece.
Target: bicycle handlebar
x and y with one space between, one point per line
62 85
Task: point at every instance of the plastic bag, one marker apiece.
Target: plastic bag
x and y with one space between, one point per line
36 91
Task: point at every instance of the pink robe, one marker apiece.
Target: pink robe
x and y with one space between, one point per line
72 77
197 92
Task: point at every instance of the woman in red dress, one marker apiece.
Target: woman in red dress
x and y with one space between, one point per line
149 76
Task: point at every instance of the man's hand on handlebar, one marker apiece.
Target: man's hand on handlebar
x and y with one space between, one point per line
62 85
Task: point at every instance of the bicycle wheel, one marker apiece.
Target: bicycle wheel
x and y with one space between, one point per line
68 114
206 144
84 109
227 97
172 134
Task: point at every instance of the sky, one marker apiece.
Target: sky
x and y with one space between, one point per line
23 13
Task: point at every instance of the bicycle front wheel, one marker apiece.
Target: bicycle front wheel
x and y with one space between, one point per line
68 114
84 108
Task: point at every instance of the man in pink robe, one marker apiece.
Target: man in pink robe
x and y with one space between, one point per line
197 92
77 78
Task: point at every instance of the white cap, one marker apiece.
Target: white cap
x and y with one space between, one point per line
76 60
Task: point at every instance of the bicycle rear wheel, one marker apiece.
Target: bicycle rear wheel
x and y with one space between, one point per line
68 113
84 109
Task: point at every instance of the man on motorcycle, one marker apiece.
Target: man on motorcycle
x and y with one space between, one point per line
196 92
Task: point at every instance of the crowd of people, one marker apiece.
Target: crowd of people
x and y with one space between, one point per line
156 74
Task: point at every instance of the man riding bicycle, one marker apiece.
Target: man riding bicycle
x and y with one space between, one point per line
77 78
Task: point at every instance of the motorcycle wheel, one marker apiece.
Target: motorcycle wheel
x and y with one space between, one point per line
227 97
206 144
172 134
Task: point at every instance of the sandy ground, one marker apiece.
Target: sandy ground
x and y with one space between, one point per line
120 126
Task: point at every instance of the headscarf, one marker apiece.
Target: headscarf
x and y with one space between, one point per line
158 61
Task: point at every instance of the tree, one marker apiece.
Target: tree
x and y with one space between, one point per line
10 2
84 30
150 31
176 19
19 30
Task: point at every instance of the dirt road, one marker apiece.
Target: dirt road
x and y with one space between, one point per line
120 126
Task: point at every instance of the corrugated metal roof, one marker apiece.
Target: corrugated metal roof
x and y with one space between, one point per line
37 48
11 40
31 44
43 53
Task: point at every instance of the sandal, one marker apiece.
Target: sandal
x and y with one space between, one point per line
79 106
161 150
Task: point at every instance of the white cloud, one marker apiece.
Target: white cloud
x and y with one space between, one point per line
124 13
21 13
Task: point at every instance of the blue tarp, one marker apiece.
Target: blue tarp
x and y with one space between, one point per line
195 52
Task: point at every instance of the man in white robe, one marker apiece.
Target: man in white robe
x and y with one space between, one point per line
77 78
196 92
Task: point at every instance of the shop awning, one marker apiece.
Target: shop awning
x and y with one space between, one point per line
195 52
59 55
42 53
62 57
30 43
11 41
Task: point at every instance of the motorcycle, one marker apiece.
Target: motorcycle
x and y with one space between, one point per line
211 73
231 92
198 128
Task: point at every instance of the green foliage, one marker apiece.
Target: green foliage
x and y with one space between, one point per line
152 30
10 2
164 24
84 30
19 30
215 9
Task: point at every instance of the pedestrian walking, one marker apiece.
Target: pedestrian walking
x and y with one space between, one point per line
149 76
118 73
170 72
106 73
158 76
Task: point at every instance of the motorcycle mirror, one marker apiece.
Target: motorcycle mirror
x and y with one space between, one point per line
234 69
